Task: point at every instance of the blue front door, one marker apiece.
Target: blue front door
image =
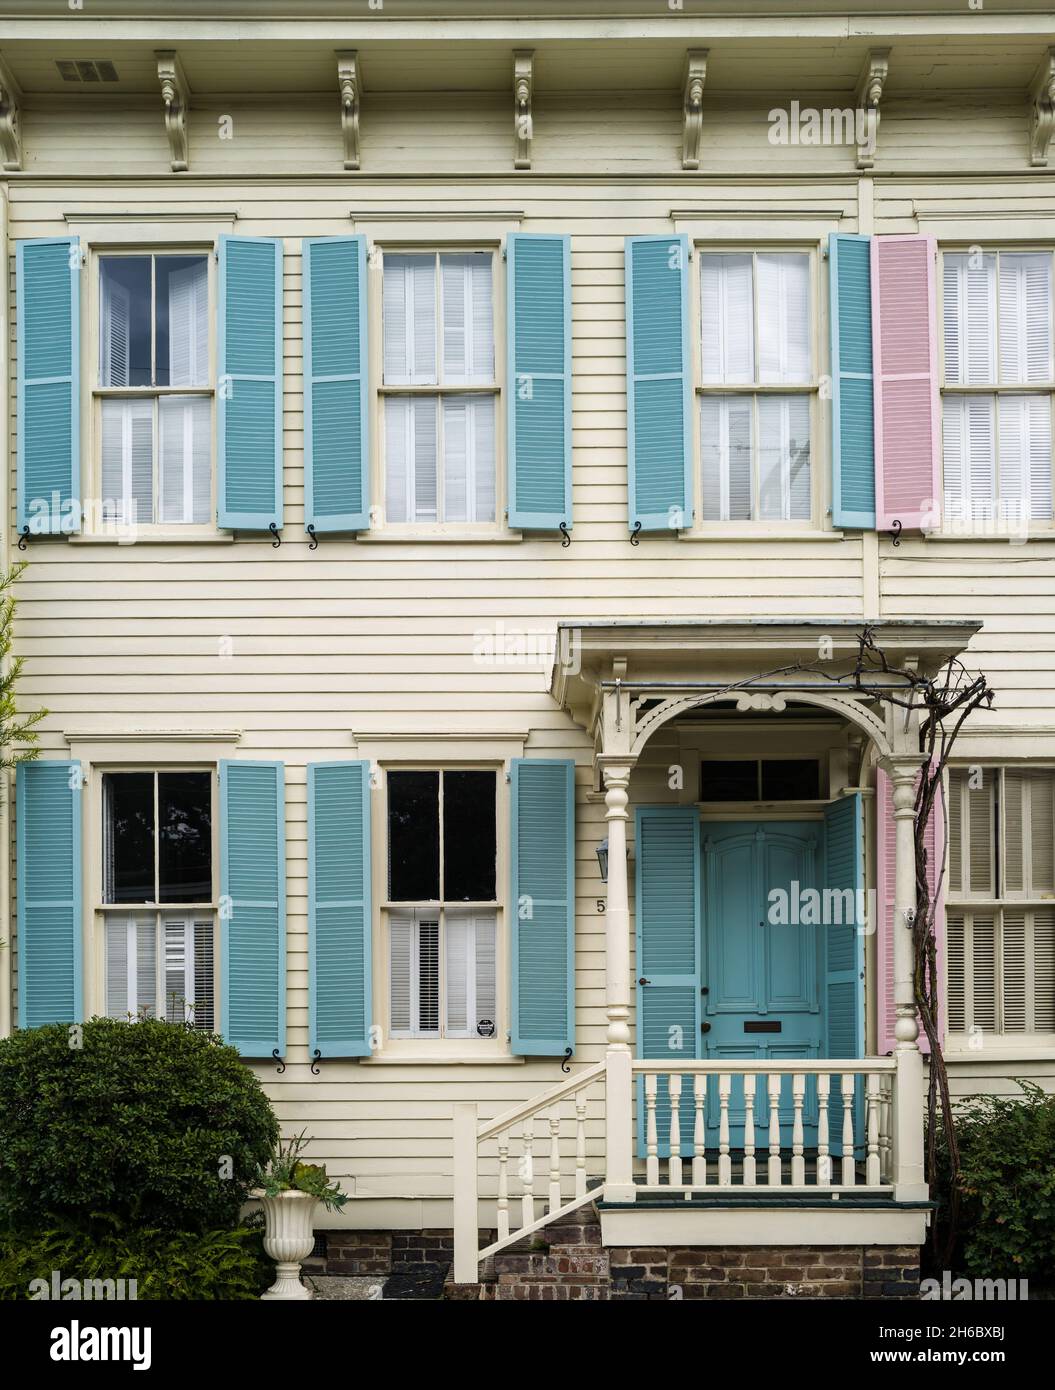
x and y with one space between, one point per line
762 994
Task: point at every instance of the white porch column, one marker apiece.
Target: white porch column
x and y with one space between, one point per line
909 1181
619 1185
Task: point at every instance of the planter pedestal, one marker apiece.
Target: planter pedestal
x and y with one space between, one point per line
288 1238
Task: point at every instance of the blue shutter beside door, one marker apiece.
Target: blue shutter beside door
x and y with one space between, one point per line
538 274
853 442
48 838
843 947
667 840
339 913
336 409
48 276
253 906
250 383
542 905
658 383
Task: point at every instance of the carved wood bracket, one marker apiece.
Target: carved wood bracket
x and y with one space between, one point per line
866 100
1042 110
695 77
10 119
350 84
523 121
175 95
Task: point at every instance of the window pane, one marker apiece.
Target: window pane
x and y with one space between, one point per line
790 779
429 975
469 962
1025 456
124 321
127 480
185 464
969 312
413 836
204 973
729 781
409 314
181 352
176 1002
727 439
469 839
185 836
410 458
784 458
401 990
1025 317
468 458
727 319
969 456
468 319
128 810
783 318
116 966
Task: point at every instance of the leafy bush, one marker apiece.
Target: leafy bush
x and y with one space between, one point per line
209 1265
157 1125
1007 1186
288 1172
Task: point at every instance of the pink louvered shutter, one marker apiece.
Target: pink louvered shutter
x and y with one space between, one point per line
905 365
885 905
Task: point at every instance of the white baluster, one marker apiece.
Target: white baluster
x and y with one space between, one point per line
554 1158
750 1167
824 1158
503 1184
872 1162
885 1147
651 1139
527 1173
580 1143
774 1174
674 1082
846 1086
798 1161
725 1163
699 1134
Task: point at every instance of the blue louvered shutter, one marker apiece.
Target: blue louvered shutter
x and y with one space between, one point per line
658 383
250 383
843 946
48 279
339 917
50 947
853 440
336 410
538 276
543 905
668 956
253 907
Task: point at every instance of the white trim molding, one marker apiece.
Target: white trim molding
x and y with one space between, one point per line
180 736
1042 110
175 95
692 102
10 119
523 120
350 85
867 96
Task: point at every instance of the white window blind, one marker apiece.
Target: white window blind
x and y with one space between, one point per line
189 325
160 967
414 974
784 458
783 318
727 319
469 458
185 459
128 460
468 320
411 448
463 994
1025 318
409 311
969 312
727 446
116 324
470 974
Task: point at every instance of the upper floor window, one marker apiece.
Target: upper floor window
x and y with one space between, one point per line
757 386
158 895
440 388
442 926
154 389
999 383
1000 917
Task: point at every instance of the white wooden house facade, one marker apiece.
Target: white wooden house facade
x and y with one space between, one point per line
416 423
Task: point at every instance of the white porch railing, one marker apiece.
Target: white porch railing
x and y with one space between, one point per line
540 1177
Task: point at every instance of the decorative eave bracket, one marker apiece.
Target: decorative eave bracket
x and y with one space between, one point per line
695 77
10 119
350 83
175 94
523 121
866 99
1042 110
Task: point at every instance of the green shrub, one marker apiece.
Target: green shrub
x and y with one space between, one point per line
209 1265
157 1125
1007 1186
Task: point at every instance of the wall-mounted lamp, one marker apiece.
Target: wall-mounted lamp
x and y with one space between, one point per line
602 859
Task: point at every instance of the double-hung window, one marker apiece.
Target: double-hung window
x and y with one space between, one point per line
443 910
154 390
1000 912
439 388
158 896
999 385
757 386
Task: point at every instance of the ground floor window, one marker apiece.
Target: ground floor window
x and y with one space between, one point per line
161 965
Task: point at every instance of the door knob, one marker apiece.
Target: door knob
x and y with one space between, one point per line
643 981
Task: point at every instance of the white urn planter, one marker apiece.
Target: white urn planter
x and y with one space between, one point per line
288 1237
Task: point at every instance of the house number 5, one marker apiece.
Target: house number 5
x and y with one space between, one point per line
600 904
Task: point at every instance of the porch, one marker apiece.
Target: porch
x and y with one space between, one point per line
781 1127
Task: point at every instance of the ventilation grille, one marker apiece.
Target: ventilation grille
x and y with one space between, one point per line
83 70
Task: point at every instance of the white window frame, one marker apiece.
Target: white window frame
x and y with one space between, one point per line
755 390
998 904
192 911
91 351
997 388
381 528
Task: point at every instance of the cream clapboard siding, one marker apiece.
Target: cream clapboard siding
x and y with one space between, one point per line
368 639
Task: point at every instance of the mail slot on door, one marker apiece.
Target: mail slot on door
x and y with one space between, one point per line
769 1026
